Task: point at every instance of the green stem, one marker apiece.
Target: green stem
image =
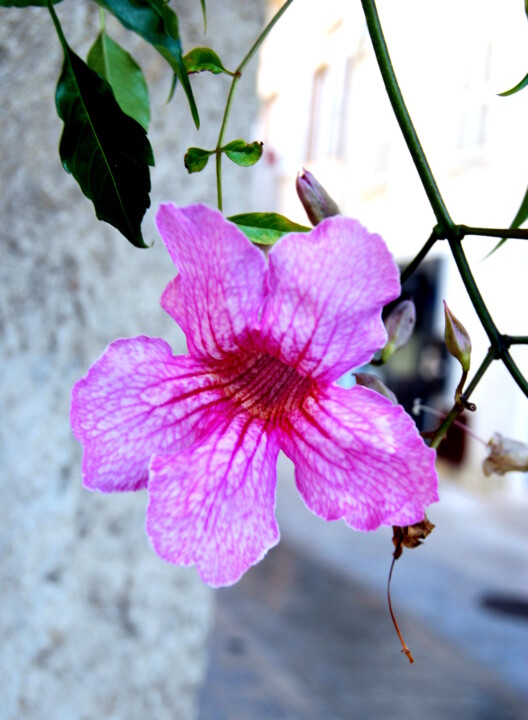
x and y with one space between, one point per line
491 355
415 262
220 140
493 232
516 340
263 35
498 341
474 294
459 406
236 77
460 387
403 117
58 27
515 372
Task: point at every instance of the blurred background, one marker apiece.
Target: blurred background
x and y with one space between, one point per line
324 107
93 624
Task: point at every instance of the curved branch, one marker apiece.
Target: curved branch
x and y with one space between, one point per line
403 117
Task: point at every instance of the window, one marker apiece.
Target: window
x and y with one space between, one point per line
326 112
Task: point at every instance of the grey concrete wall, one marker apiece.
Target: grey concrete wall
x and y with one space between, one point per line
92 624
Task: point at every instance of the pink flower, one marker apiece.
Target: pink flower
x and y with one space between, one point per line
267 341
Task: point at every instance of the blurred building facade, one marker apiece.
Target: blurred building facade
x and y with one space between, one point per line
324 107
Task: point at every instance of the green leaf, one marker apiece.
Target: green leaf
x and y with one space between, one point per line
172 88
516 88
522 212
201 59
105 150
196 159
204 13
27 3
243 153
518 220
124 75
156 23
265 228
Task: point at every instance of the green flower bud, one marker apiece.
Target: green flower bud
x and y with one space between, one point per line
457 339
400 324
372 382
316 201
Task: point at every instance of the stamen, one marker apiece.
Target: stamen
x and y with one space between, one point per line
265 387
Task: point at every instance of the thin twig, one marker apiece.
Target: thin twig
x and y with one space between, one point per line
459 407
514 233
416 261
236 77
405 649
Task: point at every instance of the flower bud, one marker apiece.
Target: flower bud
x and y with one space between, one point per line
400 324
457 339
505 455
372 382
316 201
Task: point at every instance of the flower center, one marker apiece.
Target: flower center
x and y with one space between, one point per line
264 386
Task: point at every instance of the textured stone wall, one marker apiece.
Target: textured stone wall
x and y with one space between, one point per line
92 624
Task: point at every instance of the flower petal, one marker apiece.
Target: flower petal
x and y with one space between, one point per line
217 296
135 400
359 457
213 504
328 287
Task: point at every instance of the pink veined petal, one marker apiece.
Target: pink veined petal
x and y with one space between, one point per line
212 505
135 400
360 458
221 284
327 290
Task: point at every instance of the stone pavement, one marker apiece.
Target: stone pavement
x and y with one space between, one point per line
306 634
296 641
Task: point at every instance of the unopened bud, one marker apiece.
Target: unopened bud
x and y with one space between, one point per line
457 339
372 382
399 324
316 201
505 455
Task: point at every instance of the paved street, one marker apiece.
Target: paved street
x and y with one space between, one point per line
306 634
